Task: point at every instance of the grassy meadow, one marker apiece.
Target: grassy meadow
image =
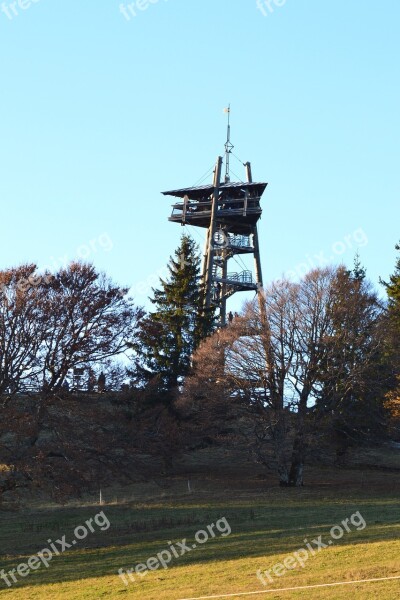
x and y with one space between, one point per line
267 525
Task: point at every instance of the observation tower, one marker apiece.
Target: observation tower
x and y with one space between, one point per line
229 211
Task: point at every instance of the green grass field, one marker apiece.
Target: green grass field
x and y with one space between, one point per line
267 525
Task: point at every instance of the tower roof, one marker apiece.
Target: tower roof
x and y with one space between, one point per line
204 190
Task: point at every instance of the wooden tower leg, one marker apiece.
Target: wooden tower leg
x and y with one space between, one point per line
210 249
257 259
204 263
224 276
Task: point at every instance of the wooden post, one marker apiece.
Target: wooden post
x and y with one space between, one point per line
204 262
257 260
214 209
224 254
256 246
185 201
248 172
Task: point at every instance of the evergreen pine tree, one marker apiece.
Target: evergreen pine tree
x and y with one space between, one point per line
170 334
354 373
393 292
393 349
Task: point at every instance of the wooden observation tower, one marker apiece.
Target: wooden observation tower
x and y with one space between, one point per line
230 212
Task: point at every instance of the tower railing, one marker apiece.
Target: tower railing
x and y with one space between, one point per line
243 277
239 241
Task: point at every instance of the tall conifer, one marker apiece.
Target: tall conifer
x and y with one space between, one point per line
170 334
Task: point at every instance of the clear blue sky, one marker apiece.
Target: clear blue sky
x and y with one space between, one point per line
99 114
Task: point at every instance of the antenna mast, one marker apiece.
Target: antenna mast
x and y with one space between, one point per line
228 146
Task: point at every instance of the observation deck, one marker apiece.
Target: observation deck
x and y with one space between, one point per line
238 206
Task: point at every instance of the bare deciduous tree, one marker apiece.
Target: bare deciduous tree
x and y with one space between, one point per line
283 357
21 326
89 319
53 323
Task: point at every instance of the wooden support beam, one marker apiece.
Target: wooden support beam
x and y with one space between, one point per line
214 209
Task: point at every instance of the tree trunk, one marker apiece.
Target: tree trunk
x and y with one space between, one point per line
283 475
299 444
280 447
168 464
297 466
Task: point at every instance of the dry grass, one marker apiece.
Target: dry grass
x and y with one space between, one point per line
268 524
